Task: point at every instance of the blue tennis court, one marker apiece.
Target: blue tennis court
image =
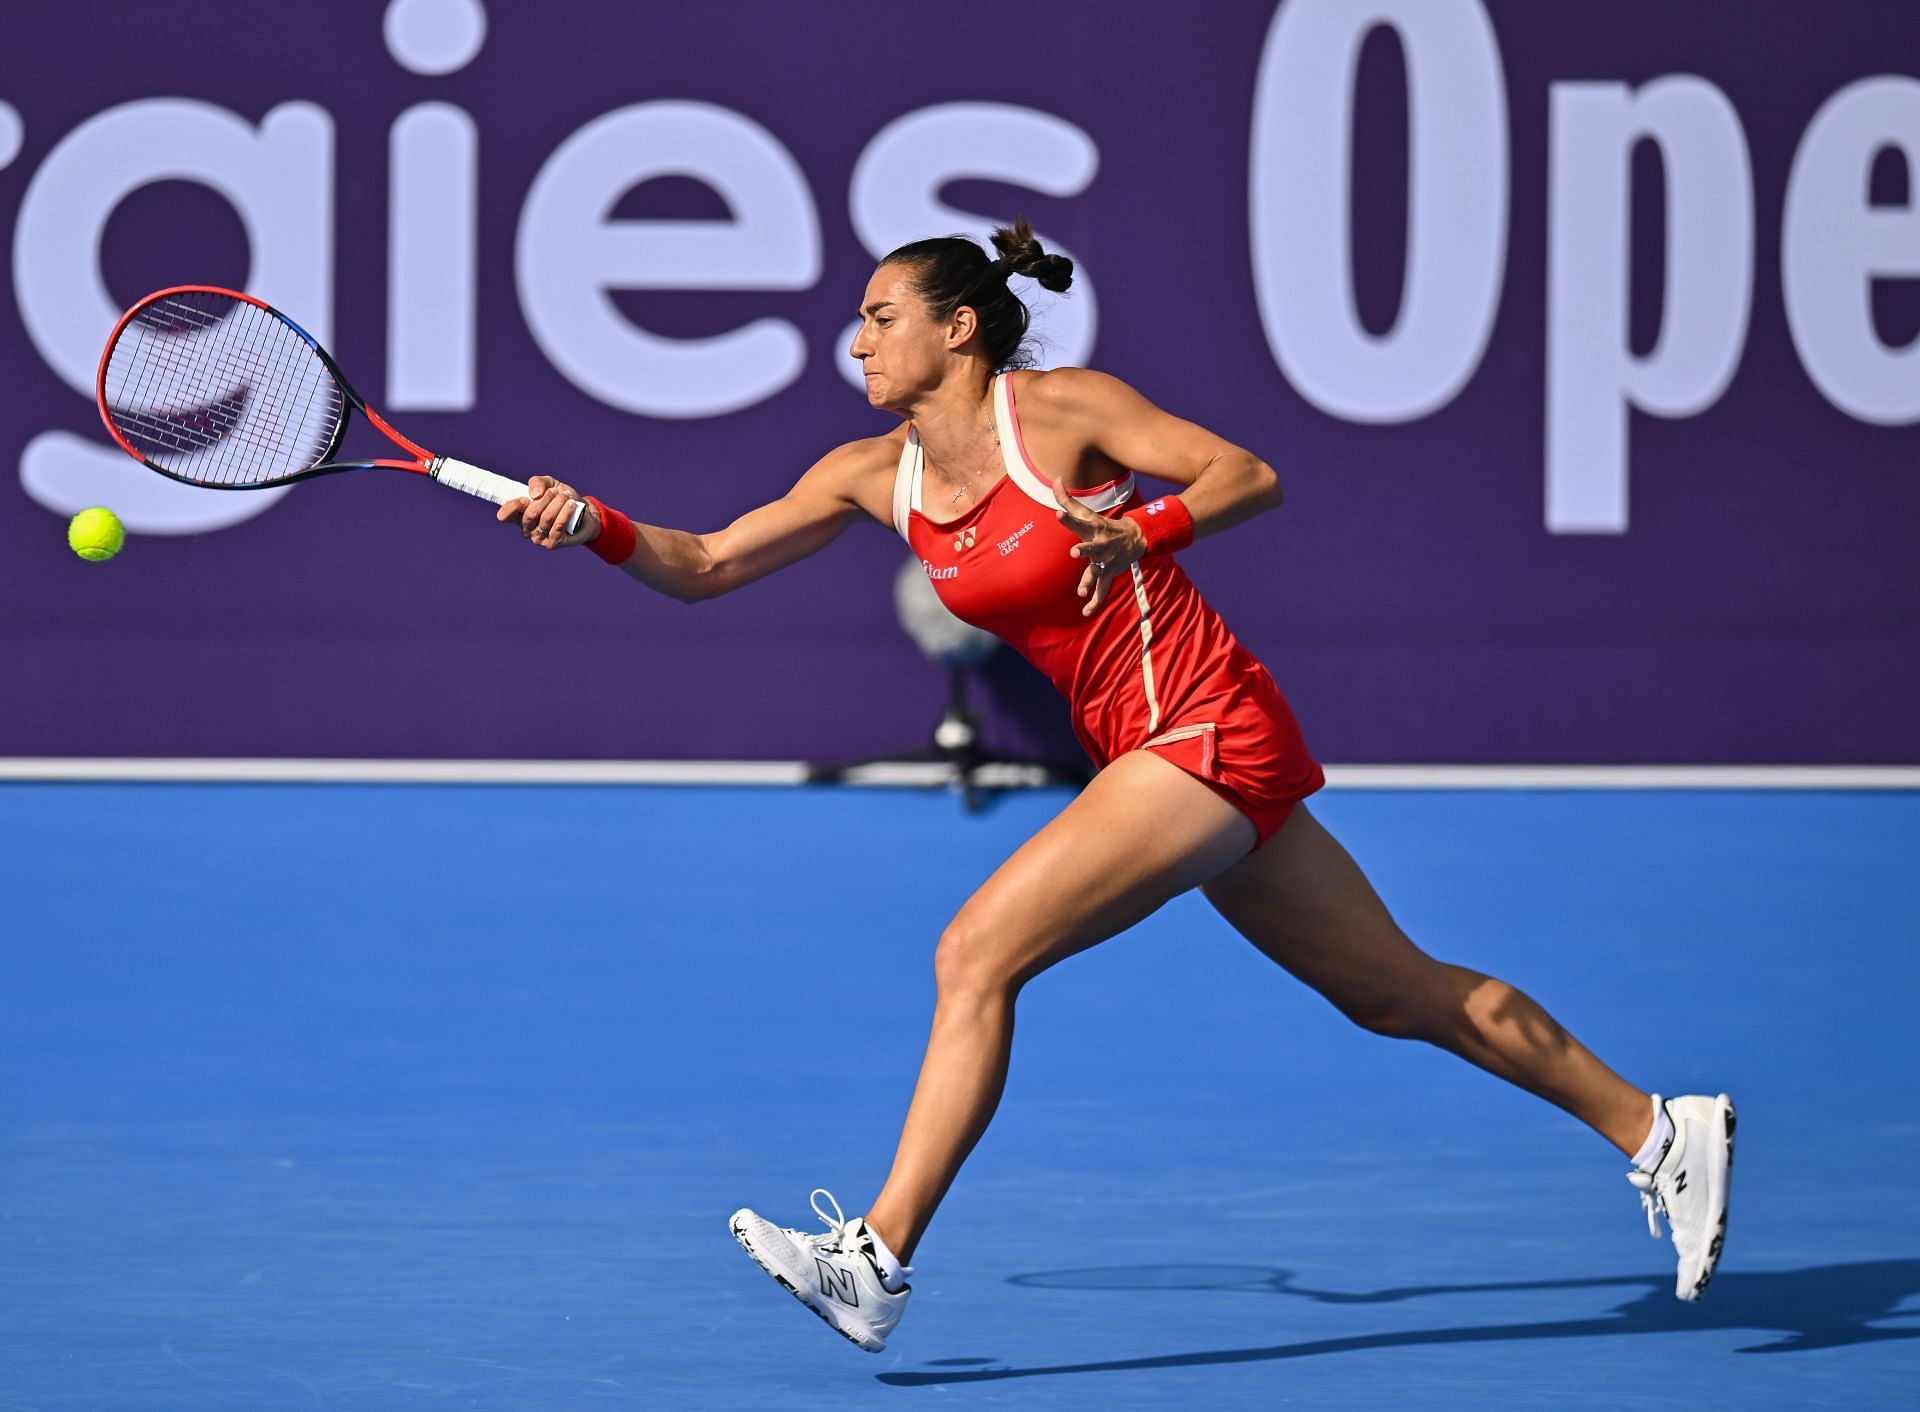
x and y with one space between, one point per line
373 1097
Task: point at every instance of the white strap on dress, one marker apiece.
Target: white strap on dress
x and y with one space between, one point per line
1022 475
913 464
906 481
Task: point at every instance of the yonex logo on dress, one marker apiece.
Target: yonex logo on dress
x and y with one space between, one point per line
837 1284
964 540
1012 541
952 571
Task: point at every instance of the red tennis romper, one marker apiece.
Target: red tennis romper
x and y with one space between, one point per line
1154 668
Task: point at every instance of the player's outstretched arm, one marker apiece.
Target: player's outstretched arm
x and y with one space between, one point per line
835 490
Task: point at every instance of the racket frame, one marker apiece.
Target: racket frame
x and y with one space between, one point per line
425 462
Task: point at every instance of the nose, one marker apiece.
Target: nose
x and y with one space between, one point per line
862 345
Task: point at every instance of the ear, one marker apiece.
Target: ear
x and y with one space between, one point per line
962 326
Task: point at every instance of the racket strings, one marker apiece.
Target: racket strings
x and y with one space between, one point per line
221 391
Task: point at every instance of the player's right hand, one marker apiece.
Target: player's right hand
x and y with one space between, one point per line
1109 545
542 516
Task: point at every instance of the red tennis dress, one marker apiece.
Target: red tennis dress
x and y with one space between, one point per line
1154 668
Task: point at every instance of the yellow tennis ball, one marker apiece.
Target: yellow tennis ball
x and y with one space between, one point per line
96 533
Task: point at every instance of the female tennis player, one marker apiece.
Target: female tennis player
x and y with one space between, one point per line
1016 490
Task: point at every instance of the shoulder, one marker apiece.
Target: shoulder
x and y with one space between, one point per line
1073 394
859 472
866 459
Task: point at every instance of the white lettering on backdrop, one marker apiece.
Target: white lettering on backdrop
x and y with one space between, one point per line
571 256
895 198
279 179
1300 207
1834 244
1592 375
433 247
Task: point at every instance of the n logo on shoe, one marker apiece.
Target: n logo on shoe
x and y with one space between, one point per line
1679 1183
838 1284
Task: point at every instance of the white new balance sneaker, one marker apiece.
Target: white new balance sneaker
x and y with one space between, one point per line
1690 1187
836 1275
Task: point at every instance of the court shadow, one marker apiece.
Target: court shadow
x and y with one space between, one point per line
1824 1306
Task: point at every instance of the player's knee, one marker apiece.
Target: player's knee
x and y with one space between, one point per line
1420 1000
967 963
1383 1015
1434 1002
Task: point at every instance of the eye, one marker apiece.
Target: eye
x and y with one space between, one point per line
883 321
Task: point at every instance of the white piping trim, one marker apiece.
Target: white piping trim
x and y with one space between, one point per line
1146 646
1024 476
1101 501
1017 469
1181 733
906 482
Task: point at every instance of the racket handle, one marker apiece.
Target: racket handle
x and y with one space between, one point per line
488 486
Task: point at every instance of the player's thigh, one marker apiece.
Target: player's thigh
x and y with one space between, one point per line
1304 902
1142 832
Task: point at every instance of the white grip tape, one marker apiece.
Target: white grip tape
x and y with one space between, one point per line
488 486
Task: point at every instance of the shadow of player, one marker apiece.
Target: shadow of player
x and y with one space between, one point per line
1826 1306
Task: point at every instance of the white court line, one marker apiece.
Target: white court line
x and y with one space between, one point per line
1624 776
791 772
285 771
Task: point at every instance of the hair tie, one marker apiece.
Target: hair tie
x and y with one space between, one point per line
1002 268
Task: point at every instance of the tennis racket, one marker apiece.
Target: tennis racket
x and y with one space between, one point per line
217 389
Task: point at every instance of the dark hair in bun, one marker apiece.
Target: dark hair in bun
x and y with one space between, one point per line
951 270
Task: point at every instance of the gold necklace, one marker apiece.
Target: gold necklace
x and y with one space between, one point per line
972 476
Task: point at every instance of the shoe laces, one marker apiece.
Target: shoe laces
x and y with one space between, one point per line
1650 1199
840 1237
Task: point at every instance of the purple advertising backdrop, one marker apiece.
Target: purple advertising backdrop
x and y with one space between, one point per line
1759 604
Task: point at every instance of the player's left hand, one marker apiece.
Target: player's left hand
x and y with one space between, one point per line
1109 546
